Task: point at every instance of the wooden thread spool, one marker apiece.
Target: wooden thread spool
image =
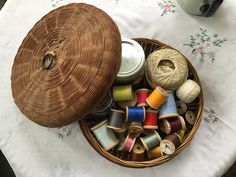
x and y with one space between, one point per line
169 144
190 117
122 93
135 129
151 119
136 114
104 135
156 98
181 107
116 119
129 143
168 109
142 95
154 153
172 125
133 102
151 140
188 91
138 153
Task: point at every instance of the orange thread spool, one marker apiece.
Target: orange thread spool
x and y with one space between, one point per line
156 98
155 152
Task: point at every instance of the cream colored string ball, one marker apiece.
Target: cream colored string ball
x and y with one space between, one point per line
166 68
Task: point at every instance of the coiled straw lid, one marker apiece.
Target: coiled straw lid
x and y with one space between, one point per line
65 64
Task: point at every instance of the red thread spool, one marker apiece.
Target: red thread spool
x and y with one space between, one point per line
151 120
172 125
129 143
142 95
138 153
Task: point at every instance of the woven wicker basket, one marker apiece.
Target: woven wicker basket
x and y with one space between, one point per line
149 46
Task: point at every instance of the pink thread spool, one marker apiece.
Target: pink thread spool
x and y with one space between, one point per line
142 95
172 125
129 143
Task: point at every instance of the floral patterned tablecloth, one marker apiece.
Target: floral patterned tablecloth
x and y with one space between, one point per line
209 43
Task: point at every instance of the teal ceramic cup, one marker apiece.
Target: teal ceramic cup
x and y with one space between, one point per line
204 8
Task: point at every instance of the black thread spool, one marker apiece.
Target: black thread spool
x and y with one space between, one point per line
116 119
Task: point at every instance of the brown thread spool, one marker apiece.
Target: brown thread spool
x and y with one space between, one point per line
138 153
172 125
154 153
170 143
181 107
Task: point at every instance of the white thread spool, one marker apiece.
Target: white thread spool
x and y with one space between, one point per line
188 91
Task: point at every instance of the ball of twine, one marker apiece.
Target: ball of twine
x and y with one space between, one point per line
188 91
166 68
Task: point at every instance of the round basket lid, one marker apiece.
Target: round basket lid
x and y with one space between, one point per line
65 64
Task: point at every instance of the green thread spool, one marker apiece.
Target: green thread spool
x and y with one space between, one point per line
151 140
104 135
133 102
122 93
116 119
121 137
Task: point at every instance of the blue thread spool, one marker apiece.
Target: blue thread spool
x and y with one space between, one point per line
104 135
136 114
168 109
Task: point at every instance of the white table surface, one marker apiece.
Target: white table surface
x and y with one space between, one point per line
35 151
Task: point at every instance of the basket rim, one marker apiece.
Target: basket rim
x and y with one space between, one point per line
158 161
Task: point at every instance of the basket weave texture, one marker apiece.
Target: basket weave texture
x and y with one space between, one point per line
149 46
65 63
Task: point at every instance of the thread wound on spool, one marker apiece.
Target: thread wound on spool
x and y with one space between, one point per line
168 109
142 95
134 113
133 102
116 119
104 135
151 140
181 107
154 152
135 129
151 120
190 117
167 68
172 125
169 144
188 91
156 98
129 143
122 93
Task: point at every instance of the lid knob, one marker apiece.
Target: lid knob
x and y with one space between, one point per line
49 60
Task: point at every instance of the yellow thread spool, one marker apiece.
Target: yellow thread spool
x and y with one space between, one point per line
157 98
181 134
154 153
122 93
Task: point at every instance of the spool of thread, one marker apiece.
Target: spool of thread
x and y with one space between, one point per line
168 109
136 114
103 108
154 152
138 153
122 93
181 107
169 144
181 134
116 119
172 125
142 95
104 135
156 98
147 131
190 117
135 129
133 102
167 68
121 137
151 119
188 91
129 143
151 140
